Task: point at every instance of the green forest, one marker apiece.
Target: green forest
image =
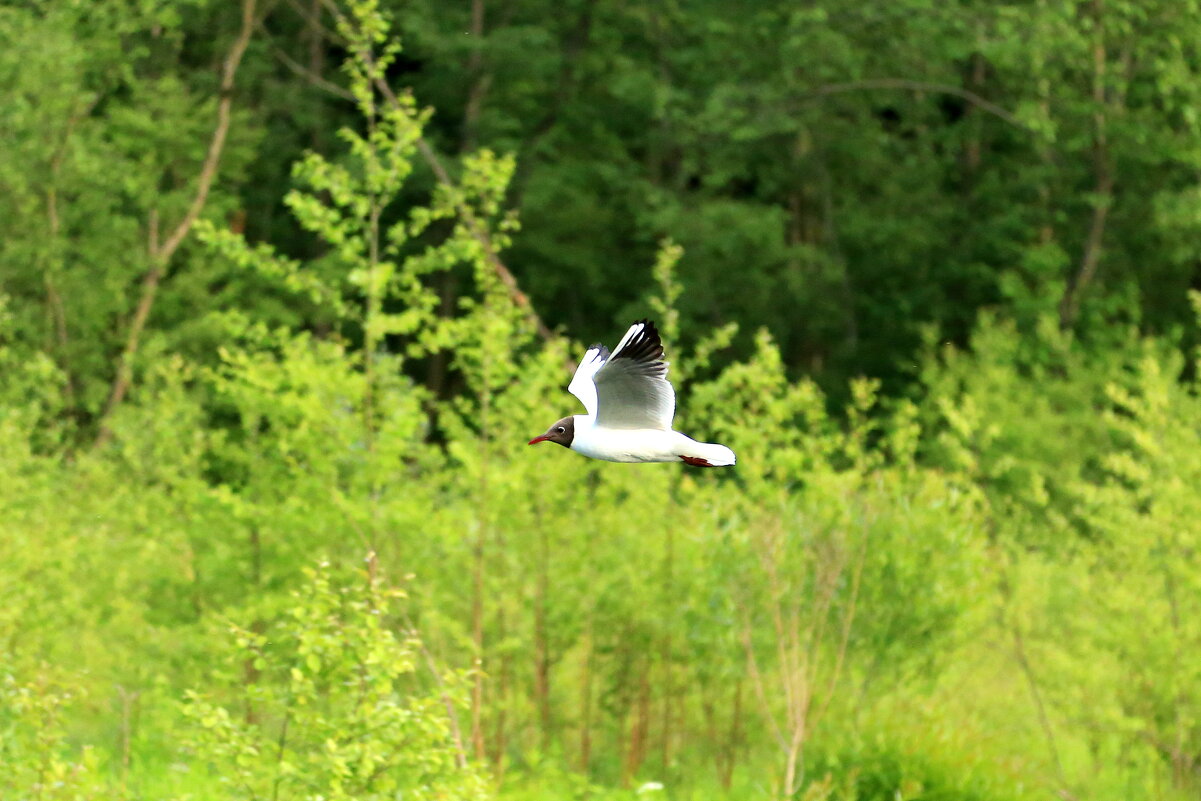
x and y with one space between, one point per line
286 286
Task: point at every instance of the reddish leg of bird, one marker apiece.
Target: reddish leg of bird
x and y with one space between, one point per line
696 461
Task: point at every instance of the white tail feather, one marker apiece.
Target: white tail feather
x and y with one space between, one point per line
716 455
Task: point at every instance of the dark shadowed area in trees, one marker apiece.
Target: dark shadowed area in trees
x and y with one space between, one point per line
286 285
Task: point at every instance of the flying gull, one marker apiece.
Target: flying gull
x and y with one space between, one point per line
630 407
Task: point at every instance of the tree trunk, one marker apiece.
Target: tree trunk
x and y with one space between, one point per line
586 702
734 740
477 640
639 726
665 645
541 647
499 741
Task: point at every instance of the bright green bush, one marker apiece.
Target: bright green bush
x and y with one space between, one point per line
35 749
327 706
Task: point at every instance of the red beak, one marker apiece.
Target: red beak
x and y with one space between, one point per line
536 440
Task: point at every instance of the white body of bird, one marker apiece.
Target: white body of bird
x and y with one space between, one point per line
643 444
631 405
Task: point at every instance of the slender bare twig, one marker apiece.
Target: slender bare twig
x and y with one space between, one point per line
313 18
481 80
309 75
54 299
160 255
757 678
921 86
847 623
481 235
1007 618
455 731
1044 720
281 744
574 44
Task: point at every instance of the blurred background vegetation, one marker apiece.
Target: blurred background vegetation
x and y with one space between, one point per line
285 285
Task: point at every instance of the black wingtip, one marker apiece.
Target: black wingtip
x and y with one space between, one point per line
646 345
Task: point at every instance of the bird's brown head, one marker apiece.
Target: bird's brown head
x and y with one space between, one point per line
562 432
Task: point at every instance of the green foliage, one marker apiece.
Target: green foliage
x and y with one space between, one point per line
34 749
1143 576
325 712
106 124
957 559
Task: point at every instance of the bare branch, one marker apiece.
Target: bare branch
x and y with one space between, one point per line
481 80
478 230
313 19
757 677
212 159
921 86
847 623
160 255
310 76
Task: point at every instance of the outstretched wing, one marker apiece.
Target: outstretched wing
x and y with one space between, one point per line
581 383
631 386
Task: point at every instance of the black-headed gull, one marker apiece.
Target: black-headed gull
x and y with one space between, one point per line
630 406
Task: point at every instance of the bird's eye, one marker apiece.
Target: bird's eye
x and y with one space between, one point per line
560 429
